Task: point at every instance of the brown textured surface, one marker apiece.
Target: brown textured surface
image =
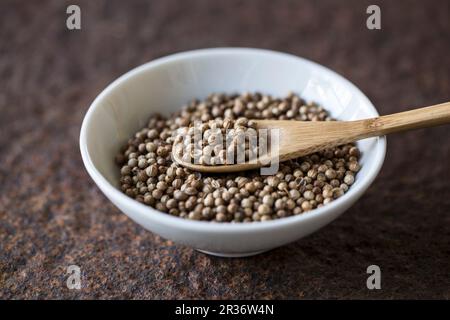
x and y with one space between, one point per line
52 215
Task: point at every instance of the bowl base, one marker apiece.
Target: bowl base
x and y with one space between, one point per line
232 255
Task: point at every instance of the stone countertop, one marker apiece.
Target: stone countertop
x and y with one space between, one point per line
52 215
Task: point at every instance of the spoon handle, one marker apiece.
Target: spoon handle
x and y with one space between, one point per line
414 119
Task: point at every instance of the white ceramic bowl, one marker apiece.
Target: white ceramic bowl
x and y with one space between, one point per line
165 84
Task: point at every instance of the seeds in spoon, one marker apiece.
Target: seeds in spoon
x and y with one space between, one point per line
219 142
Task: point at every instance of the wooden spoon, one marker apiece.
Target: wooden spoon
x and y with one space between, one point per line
300 138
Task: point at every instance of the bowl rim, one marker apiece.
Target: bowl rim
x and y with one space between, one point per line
147 212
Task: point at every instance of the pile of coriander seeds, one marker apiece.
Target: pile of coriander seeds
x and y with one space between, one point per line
149 175
219 142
